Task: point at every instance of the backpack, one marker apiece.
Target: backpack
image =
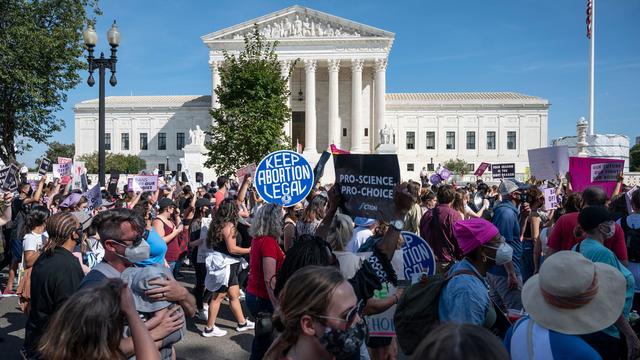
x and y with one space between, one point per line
632 239
417 310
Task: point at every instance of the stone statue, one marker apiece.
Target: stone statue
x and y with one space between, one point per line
197 136
385 134
297 28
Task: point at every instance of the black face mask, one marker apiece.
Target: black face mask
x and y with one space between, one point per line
79 233
344 344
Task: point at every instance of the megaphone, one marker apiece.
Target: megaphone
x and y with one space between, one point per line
477 200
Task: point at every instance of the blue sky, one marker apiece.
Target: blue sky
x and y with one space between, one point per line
533 47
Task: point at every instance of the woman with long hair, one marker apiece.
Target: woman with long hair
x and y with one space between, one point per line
223 265
531 233
265 260
291 217
157 245
91 323
198 227
318 317
168 225
56 275
312 216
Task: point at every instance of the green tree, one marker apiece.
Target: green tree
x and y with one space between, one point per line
634 158
57 149
456 166
124 164
253 95
41 48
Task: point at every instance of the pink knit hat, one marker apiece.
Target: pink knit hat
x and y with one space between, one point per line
473 233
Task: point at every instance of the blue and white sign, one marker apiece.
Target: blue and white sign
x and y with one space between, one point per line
284 177
417 256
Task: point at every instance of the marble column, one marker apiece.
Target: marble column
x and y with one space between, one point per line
215 81
334 115
356 105
310 123
380 91
284 69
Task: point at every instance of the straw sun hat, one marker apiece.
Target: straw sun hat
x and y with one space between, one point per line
573 295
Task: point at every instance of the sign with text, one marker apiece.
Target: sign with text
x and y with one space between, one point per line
481 169
417 257
318 170
112 188
60 170
444 173
582 171
143 183
94 198
367 183
45 164
10 181
628 197
284 177
549 162
606 172
503 171
244 171
550 198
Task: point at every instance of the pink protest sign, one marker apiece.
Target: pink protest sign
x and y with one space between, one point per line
481 169
587 171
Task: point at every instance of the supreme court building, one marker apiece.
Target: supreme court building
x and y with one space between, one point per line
338 96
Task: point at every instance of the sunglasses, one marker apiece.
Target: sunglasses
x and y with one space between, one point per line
349 317
135 241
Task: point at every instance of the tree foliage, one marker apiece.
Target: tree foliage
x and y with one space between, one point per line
40 50
456 166
124 164
253 96
634 158
57 149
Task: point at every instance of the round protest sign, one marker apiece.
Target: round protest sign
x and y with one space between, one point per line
417 256
284 177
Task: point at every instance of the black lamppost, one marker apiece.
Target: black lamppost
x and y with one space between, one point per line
90 39
167 169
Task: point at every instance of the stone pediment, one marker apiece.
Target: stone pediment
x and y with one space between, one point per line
297 22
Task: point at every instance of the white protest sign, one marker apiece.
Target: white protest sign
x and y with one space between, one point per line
550 198
143 183
77 171
606 172
94 198
188 174
547 163
60 170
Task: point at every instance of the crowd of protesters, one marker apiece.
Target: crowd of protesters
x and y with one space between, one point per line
514 279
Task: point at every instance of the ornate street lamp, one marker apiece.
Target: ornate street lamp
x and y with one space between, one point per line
90 39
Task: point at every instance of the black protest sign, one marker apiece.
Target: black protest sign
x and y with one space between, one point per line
199 177
318 170
503 171
45 164
112 188
367 183
10 181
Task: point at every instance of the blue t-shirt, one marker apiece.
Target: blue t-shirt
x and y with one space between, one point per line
597 252
465 299
547 344
157 249
506 219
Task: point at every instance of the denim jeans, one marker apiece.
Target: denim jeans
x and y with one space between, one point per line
260 344
528 267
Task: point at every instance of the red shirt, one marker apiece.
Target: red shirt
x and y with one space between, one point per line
219 196
562 237
261 247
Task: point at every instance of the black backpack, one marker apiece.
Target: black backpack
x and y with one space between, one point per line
632 239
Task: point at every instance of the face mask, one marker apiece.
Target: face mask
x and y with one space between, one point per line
344 344
134 254
504 254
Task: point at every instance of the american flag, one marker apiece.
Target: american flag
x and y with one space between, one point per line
589 15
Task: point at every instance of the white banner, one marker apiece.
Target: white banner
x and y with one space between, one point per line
550 198
143 183
547 163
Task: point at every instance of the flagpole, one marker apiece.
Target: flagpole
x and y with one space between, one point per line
592 67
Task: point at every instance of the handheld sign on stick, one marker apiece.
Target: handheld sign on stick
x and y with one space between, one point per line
284 177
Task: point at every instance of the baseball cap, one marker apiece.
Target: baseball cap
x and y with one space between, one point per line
507 187
165 202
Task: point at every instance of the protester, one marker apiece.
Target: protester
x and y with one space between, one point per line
460 342
412 220
223 189
338 239
541 246
168 225
33 242
157 245
564 236
427 200
91 324
223 264
365 228
291 217
531 232
631 227
266 259
597 224
560 308
197 236
464 299
505 280
312 216
436 227
56 275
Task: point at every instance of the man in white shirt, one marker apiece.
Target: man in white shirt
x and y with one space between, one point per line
362 232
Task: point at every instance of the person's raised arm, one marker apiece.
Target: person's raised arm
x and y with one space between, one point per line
6 214
242 192
618 188
159 226
334 201
403 200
